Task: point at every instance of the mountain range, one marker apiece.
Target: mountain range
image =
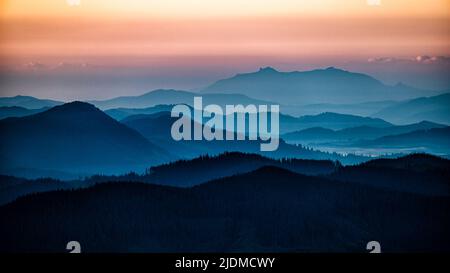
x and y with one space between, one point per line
27 102
79 139
122 113
415 173
435 140
414 106
321 134
336 121
436 109
269 209
108 173
156 128
17 111
330 85
76 138
360 109
170 96
141 125
199 170
180 173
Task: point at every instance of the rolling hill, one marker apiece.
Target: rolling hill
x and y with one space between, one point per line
321 135
156 128
199 170
17 111
339 121
27 102
435 108
76 138
289 123
415 173
359 109
266 210
170 96
122 113
436 140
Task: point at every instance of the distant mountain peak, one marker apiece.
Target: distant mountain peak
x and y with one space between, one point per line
164 91
323 85
76 105
332 68
75 108
76 137
28 102
267 69
414 161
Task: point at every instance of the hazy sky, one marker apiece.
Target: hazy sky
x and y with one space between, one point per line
104 48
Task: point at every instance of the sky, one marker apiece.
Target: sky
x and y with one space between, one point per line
96 49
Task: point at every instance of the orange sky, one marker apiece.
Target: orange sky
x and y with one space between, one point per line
104 48
53 29
208 8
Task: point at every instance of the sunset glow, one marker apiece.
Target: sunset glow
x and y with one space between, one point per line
182 33
252 27
209 8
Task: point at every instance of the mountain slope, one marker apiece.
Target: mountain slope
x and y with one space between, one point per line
181 173
27 102
340 121
436 140
74 137
436 109
289 123
329 85
267 210
412 162
170 96
122 113
358 109
202 169
320 135
416 173
156 128
17 111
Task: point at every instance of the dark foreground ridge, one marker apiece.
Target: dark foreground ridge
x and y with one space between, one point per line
266 210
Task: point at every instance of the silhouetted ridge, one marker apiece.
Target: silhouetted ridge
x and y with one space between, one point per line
332 68
17 111
74 106
171 96
267 69
202 169
335 117
75 138
266 210
354 134
434 140
76 109
329 85
434 109
418 173
412 162
157 130
28 102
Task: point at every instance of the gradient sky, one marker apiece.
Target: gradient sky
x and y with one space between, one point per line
104 48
